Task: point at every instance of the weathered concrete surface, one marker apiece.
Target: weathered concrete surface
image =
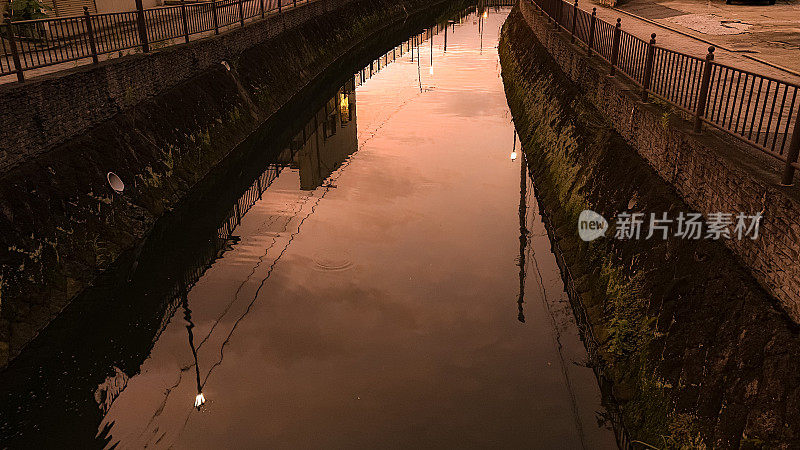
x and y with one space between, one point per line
696 352
711 172
162 122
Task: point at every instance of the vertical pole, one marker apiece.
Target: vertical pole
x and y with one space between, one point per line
615 47
794 150
574 18
142 27
445 38
14 52
280 5
241 14
214 16
702 96
591 31
648 67
261 5
294 3
90 34
185 22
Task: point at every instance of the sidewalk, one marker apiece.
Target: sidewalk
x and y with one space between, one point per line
740 31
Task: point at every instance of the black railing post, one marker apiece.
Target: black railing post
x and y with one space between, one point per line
557 13
214 16
648 67
791 155
12 42
294 3
184 21
591 31
142 24
574 18
261 5
702 96
615 47
90 34
280 5
241 14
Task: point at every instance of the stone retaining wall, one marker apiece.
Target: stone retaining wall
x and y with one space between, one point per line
695 352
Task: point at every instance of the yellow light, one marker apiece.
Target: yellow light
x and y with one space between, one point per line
486 14
199 400
344 106
513 155
431 70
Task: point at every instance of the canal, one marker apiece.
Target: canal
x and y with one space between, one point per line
377 275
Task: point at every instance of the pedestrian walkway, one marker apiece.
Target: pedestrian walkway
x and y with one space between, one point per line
121 38
688 41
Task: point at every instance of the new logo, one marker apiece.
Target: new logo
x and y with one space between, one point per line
591 225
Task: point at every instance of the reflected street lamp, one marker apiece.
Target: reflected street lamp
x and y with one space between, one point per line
199 399
514 148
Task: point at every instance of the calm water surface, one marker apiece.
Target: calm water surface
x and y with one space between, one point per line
366 291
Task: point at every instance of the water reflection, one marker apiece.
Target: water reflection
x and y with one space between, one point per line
129 319
156 280
384 319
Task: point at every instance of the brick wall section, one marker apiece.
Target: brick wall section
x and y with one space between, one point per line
711 172
49 110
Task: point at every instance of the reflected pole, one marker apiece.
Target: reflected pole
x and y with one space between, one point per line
419 69
187 315
480 29
431 50
523 230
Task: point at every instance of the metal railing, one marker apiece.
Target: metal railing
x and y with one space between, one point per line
32 44
760 110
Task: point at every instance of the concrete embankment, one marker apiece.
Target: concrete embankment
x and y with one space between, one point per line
695 350
161 122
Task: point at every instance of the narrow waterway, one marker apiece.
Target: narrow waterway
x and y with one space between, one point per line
384 281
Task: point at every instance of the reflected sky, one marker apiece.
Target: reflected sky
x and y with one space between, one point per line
369 286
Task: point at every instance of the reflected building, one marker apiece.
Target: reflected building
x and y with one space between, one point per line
327 140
